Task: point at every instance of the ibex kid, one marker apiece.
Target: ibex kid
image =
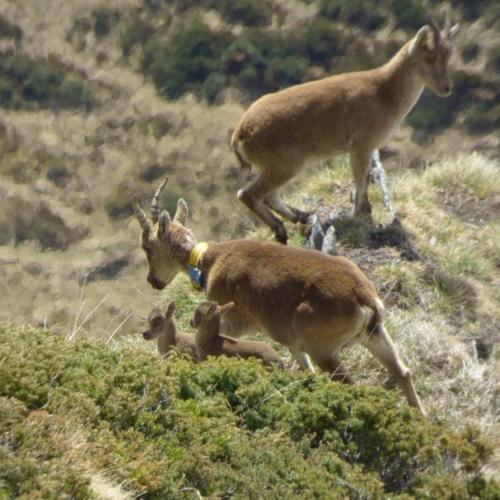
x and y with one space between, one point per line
162 327
210 342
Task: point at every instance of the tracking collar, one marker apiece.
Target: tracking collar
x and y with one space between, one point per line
194 265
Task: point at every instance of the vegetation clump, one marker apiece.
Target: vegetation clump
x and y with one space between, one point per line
27 83
165 426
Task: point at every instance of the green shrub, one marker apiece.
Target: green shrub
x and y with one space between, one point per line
9 30
35 452
161 426
410 15
362 13
104 20
18 67
29 84
42 82
73 93
247 12
119 205
135 32
470 51
323 41
6 93
432 113
483 117
473 9
494 58
187 61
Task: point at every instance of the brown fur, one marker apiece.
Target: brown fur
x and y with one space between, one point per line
162 327
351 113
306 300
209 341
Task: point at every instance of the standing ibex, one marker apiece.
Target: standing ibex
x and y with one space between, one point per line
162 328
350 113
207 320
306 300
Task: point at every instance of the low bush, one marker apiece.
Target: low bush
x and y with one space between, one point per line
410 15
27 83
187 61
7 92
167 426
135 32
104 20
119 204
9 30
246 12
364 14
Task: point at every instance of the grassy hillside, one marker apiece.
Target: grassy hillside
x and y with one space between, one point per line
99 100
82 420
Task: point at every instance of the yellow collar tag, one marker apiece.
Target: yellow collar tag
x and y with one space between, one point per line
197 253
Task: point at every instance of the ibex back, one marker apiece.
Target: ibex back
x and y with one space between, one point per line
350 113
306 300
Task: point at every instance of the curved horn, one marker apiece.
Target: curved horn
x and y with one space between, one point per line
155 209
435 29
141 216
447 22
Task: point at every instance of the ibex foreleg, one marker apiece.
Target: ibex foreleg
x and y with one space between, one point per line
360 165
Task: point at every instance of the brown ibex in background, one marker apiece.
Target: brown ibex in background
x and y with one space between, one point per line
306 300
207 320
350 113
162 328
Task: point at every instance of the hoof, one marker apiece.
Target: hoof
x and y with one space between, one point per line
303 217
281 236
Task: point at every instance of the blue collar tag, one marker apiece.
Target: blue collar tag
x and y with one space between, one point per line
196 277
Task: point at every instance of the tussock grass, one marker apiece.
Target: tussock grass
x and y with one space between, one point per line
474 172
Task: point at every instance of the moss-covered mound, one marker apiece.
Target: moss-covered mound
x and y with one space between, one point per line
226 428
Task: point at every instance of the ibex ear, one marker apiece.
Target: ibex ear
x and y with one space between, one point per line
421 38
170 309
163 225
181 213
226 307
211 309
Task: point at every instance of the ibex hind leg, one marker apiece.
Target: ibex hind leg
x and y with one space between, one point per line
381 346
274 202
253 196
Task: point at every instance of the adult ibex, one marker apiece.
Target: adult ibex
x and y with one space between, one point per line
306 300
162 327
350 113
207 319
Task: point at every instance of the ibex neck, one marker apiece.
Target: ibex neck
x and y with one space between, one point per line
193 267
167 338
402 85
